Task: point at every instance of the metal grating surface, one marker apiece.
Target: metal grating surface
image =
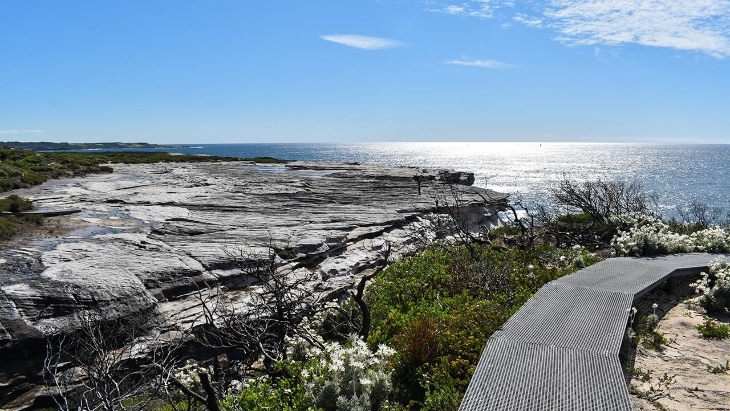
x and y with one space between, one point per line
518 376
683 261
577 318
560 350
618 274
634 275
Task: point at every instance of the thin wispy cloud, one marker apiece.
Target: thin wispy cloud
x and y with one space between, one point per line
16 131
489 64
362 42
526 20
692 25
472 8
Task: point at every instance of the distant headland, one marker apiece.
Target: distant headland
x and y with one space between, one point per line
52 146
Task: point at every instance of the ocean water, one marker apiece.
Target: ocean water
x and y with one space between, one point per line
678 174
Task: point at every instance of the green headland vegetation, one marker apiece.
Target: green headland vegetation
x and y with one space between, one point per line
22 168
52 146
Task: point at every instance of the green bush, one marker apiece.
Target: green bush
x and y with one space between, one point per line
285 394
335 377
577 218
439 307
714 287
653 340
8 227
14 203
23 168
714 329
11 225
504 230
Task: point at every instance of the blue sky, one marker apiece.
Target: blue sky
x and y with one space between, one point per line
365 70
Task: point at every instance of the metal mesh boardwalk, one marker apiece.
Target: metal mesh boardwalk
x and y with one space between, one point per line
560 350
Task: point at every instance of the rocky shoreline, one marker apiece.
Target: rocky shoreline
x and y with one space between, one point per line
148 236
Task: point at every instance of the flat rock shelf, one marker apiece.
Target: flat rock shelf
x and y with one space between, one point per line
148 237
560 351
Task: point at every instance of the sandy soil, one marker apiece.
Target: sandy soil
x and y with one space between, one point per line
689 358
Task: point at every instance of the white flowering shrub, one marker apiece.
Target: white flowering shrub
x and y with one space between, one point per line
649 235
189 375
712 240
326 376
714 286
348 377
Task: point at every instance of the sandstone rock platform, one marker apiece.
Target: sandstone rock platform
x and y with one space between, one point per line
149 235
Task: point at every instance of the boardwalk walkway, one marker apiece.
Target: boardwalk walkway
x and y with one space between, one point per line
560 351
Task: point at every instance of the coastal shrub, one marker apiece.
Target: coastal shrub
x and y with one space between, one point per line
32 178
23 168
285 394
651 321
438 307
575 218
602 199
11 225
653 340
8 227
714 287
504 230
698 215
714 329
327 376
7 184
15 203
643 234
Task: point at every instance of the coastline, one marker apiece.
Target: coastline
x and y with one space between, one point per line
150 236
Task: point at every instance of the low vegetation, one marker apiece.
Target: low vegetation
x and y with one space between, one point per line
21 168
438 308
54 146
24 168
714 329
11 225
14 203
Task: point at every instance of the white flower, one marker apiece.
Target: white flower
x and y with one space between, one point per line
353 366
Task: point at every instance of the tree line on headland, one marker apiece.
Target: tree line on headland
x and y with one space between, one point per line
54 146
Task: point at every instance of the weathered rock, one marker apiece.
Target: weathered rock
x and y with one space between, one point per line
149 235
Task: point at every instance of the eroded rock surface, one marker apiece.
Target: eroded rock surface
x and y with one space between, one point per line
695 368
149 235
